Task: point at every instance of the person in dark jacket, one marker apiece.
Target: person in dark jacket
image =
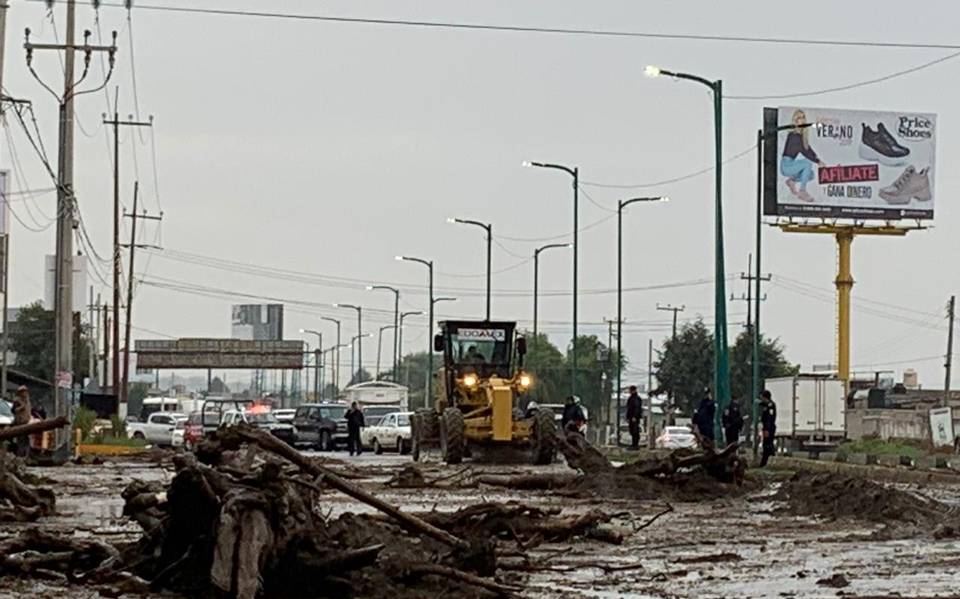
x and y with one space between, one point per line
732 423
768 425
705 415
573 416
634 414
354 424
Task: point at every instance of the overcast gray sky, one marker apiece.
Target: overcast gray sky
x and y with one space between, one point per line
328 148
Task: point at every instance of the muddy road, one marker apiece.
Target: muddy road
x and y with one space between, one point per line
746 546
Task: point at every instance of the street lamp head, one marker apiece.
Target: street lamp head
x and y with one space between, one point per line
303 330
335 305
398 258
451 220
664 198
525 163
369 287
651 71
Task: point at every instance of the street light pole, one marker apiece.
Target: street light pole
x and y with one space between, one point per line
429 265
396 325
356 341
536 278
316 366
488 227
336 367
721 367
380 346
400 339
359 333
620 206
575 173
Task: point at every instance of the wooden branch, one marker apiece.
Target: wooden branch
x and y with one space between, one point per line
527 481
275 445
501 590
666 510
22 430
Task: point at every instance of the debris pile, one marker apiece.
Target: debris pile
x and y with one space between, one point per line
249 516
21 497
835 496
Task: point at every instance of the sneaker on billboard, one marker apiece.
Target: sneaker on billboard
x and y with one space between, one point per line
876 147
910 184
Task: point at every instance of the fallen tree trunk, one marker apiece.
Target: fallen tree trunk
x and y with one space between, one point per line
409 521
23 430
19 501
545 481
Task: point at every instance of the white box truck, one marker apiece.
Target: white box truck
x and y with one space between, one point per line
811 411
377 398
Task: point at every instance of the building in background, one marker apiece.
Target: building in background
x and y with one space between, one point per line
257 322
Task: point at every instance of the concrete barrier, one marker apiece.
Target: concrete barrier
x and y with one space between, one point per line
861 459
803 455
890 461
831 456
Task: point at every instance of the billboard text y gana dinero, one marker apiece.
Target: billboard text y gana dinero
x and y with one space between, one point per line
849 163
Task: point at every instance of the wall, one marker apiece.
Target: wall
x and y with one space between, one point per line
888 423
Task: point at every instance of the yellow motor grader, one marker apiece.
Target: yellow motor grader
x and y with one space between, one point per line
478 392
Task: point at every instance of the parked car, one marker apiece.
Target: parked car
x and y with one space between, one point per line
321 425
260 419
6 413
389 432
675 437
213 408
285 414
179 432
157 430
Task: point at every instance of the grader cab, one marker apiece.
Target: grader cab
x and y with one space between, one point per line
479 389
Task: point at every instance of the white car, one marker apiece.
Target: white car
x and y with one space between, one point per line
6 413
676 437
285 414
179 429
158 429
392 431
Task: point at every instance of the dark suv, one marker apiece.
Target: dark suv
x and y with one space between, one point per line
320 425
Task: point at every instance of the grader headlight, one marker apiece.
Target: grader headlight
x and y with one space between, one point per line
525 380
470 380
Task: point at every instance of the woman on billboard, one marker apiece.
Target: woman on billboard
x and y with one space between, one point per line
798 157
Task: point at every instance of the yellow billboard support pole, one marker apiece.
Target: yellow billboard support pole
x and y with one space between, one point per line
844 234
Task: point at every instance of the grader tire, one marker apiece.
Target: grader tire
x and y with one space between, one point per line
545 438
452 436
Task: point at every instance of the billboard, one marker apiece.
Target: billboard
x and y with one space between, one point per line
849 163
941 427
219 353
257 322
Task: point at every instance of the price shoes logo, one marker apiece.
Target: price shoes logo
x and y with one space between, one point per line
914 128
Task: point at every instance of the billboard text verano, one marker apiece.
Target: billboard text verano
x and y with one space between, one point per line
849 163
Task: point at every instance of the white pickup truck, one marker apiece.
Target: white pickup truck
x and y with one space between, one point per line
158 429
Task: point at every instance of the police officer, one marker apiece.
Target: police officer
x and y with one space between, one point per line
768 425
705 415
354 424
634 414
732 422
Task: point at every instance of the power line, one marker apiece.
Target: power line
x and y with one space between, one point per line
535 29
678 179
850 86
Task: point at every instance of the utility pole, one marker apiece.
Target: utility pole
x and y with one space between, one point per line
675 310
134 217
63 277
117 123
5 230
649 366
106 346
949 361
753 299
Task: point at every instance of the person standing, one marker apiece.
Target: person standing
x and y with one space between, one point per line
354 424
732 423
573 418
634 414
768 425
21 415
705 415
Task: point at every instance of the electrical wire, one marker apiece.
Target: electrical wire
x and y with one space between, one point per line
831 90
672 180
534 29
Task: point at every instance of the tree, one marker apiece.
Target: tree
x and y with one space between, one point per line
218 387
772 363
360 376
596 369
546 365
413 375
685 365
32 339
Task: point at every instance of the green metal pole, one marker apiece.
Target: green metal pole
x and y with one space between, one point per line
755 374
619 308
576 250
536 277
489 263
721 347
427 399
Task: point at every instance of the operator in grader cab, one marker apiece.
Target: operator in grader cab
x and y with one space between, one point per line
479 391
